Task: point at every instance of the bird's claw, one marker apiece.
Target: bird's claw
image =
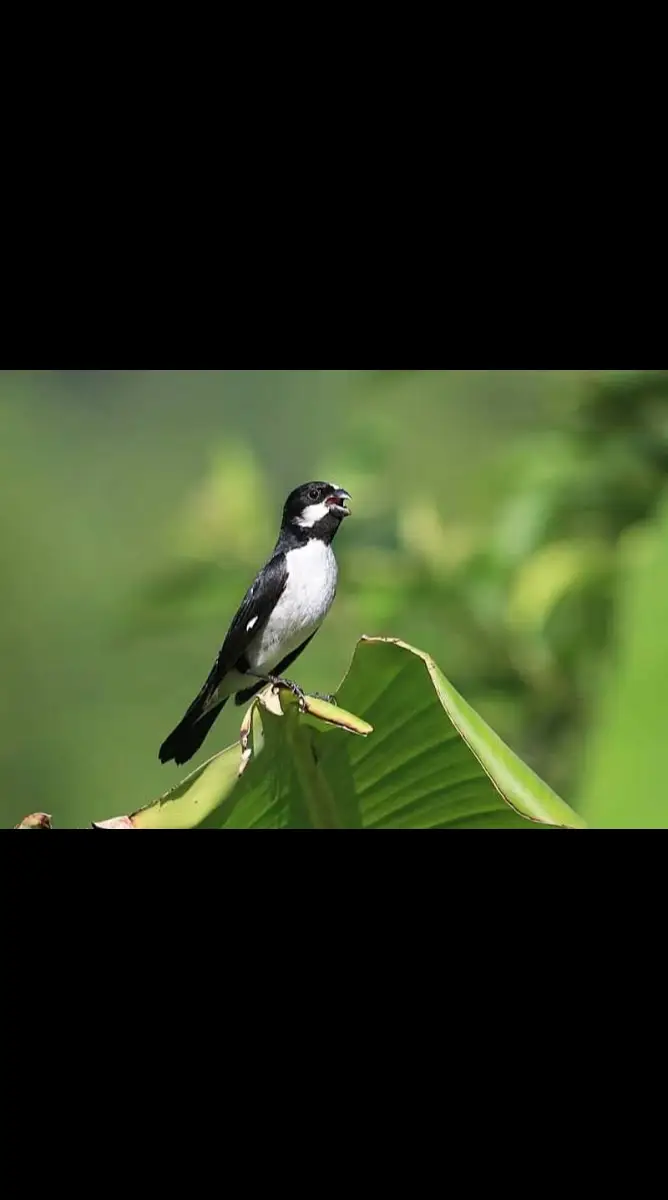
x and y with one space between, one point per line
301 695
291 687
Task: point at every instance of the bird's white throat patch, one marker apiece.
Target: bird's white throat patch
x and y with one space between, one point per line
311 515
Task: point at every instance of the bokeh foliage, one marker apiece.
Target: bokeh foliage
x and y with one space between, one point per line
497 516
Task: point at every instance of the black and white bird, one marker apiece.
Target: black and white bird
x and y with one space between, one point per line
279 615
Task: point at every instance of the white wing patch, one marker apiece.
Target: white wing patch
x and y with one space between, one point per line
251 624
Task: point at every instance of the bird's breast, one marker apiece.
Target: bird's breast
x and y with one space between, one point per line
306 599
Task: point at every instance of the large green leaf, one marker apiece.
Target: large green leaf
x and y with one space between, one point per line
424 759
433 760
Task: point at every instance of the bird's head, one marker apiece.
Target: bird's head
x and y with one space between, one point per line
318 504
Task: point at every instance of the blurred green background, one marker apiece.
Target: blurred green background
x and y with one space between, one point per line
502 521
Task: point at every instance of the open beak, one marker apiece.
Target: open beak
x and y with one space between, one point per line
336 501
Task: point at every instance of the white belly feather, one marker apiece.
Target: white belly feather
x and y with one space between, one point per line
303 606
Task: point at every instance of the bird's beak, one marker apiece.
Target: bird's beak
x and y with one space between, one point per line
336 501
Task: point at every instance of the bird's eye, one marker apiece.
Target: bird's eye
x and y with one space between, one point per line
313 494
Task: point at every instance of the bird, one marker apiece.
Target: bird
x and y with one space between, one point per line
280 614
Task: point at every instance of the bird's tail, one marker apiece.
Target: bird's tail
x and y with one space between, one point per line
184 741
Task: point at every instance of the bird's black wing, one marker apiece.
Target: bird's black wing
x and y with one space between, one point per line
254 612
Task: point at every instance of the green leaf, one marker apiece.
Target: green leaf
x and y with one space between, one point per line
422 759
625 778
433 761
203 792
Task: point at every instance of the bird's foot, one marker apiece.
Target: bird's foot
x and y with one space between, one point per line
287 683
324 696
